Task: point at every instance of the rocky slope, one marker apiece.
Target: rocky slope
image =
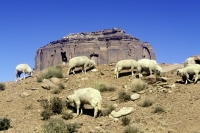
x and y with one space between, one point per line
19 102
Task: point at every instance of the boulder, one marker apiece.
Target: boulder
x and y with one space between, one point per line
47 84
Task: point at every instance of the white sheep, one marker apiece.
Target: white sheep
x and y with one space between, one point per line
125 64
189 71
189 61
80 61
150 66
85 96
22 68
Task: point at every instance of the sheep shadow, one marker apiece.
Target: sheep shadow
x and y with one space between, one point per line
78 71
124 74
183 82
86 111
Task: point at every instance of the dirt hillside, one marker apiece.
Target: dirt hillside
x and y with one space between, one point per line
19 102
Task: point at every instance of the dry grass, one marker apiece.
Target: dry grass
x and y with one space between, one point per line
138 85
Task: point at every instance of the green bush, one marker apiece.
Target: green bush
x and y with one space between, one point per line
53 72
103 87
56 105
67 115
2 86
146 102
61 86
4 123
56 91
107 110
124 96
55 126
72 127
125 121
138 85
131 129
158 109
46 114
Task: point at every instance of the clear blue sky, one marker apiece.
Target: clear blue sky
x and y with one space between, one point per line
172 27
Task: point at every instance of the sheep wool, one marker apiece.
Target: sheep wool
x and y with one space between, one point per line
22 68
148 66
125 64
85 96
80 61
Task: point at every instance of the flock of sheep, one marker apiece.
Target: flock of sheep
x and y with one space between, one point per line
93 97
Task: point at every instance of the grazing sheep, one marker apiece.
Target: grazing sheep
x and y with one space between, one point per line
189 71
150 66
85 96
22 68
189 61
80 61
125 64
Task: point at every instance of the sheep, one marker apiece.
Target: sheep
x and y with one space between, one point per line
22 68
189 61
125 64
189 71
85 96
80 61
148 65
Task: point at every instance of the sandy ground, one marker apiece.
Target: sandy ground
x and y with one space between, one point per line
181 104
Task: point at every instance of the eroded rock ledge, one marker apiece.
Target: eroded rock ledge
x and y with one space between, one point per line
103 46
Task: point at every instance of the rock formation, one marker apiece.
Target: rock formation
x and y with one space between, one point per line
196 58
104 46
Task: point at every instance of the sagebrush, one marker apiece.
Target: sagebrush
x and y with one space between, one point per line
138 85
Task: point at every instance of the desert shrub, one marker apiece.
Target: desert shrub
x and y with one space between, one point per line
53 72
4 123
46 114
138 85
158 109
56 105
67 115
125 121
61 86
56 91
107 110
132 129
146 102
2 86
103 87
124 96
55 126
72 127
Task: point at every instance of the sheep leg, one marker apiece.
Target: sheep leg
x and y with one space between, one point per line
95 111
187 79
196 78
73 70
85 66
68 71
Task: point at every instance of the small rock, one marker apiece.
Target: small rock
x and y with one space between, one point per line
25 94
123 111
47 84
86 78
114 98
135 96
55 80
94 70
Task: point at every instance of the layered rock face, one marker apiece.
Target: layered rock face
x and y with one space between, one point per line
196 58
104 46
